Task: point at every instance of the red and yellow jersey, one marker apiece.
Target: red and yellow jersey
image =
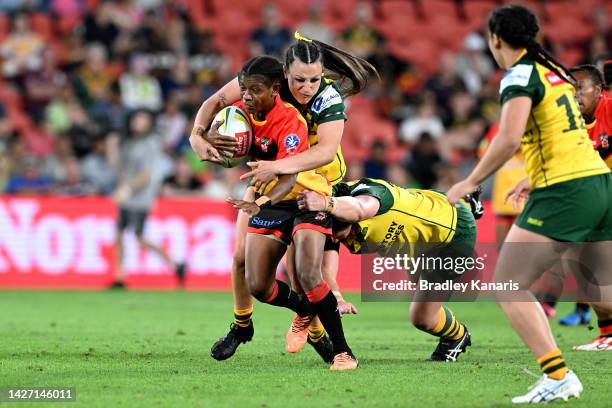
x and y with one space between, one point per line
506 177
600 131
284 133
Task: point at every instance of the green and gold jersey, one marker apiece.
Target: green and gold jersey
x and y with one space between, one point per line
555 145
405 216
326 106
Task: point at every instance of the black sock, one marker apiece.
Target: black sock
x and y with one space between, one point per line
283 296
327 309
582 307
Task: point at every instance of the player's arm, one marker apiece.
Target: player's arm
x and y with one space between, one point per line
281 189
329 135
348 209
208 144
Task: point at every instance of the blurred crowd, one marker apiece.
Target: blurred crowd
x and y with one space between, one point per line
74 73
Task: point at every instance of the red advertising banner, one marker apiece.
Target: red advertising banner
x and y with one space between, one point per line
69 243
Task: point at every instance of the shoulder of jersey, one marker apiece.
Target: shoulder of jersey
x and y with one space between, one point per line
328 97
292 112
518 75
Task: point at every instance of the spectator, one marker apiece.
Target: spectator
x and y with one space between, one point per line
172 126
423 161
473 66
93 80
96 168
22 49
272 37
424 121
361 38
39 141
27 180
140 90
183 181
376 165
99 26
41 86
139 184
55 166
314 28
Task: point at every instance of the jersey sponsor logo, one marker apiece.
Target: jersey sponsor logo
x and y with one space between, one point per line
292 142
553 79
329 97
264 143
516 76
264 223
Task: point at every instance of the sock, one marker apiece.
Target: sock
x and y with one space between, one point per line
605 328
326 307
448 326
242 317
315 333
283 296
582 307
553 364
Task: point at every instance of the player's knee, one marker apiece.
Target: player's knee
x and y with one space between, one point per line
259 289
419 320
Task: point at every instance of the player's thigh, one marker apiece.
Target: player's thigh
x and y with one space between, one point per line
309 246
524 256
263 254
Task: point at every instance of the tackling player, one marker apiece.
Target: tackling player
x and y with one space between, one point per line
366 209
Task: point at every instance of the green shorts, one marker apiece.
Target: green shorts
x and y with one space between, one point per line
578 210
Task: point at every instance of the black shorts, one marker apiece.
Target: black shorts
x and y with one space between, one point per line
282 220
331 246
134 219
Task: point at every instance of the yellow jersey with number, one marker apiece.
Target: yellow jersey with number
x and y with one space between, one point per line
405 216
555 145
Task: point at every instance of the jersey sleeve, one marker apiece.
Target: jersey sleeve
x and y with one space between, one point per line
329 106
293 137
521 80
371 188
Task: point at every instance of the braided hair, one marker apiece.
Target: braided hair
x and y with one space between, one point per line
518 27
269 68
353 72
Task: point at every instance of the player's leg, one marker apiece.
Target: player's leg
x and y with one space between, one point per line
263 253
122 224
532 254
440 321
309 245
242 329
596 288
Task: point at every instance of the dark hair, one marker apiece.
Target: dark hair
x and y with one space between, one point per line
354 72
592 71
265 66
518 26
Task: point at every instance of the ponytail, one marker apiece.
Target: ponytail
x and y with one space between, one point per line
353 72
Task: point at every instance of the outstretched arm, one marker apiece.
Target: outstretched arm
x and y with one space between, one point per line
349 209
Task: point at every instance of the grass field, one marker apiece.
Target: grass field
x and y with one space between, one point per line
152 350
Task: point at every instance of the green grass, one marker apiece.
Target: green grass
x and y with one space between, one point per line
152 349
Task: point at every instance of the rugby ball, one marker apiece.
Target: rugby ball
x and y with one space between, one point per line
236 124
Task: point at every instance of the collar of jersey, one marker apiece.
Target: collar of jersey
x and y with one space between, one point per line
520 57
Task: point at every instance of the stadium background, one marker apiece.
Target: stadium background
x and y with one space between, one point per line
72 70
